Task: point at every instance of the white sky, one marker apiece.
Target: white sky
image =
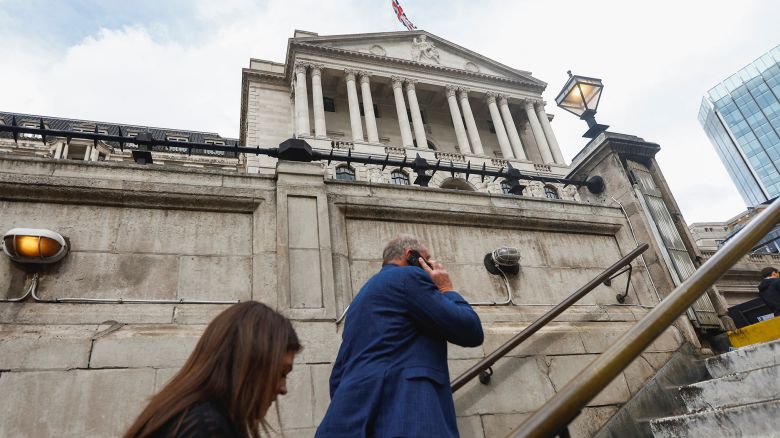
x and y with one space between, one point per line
177 63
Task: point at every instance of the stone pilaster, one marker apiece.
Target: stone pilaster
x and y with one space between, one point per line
301 100
498 124
354 106
457 120
471 124
368 108
414 108
536 127
400 106
317 101
511 129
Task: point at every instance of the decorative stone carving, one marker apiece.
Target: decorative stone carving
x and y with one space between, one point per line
365 77
424 50
463 91
378 50
491 97
451 90
470 66
300 67
350 74
410 83
398 81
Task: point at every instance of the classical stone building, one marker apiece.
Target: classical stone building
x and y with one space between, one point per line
157 250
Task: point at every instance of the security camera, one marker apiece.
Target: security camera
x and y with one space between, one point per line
504 259
31 245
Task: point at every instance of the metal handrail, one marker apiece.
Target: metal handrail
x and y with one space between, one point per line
509 345
564 406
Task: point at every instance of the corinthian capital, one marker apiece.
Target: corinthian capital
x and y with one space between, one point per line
398 81
300 67
491 97
451 90
316 69
350 73
410 83
503 100
463 92
365 77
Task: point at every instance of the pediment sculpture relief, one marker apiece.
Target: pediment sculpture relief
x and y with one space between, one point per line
378 50
424 50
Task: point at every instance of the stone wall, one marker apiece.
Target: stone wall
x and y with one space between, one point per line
304 244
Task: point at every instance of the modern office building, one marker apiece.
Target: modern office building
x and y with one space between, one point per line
741 116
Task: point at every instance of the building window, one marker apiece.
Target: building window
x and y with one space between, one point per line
399 177
376 111
215 142
551 193
345 173
329 104
177 138
29 135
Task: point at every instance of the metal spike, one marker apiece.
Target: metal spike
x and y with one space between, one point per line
330 156
499 173
121 140
483 172
387 160
94 142
468 169
435 168
43 136
16 134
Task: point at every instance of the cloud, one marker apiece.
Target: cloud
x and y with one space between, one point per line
177 64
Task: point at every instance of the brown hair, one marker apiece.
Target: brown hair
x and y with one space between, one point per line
237 362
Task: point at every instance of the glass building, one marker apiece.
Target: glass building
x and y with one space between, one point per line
741 116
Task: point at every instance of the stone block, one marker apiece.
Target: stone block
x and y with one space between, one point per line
264 225
501 395
81 313
184 232
303 230
562 369
320 341
45 347
13 281
590 421
162 377
88 228
296 408
499 425
264 279
196 314
83 403
551 285
458 352
362 271
103 275
637 373
157 346
598 337
320 379
305 279
215 278
555 338
470 427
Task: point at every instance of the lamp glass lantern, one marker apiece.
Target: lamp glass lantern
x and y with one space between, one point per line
580 96
30 245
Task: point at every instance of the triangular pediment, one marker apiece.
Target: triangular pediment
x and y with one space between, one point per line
418 47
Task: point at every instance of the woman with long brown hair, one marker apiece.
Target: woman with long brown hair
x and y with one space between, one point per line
229 381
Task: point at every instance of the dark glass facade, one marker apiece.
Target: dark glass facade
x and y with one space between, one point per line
741 117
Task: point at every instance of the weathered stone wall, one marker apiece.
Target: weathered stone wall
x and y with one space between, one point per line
302 244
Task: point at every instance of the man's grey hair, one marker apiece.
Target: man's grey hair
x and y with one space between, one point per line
396 247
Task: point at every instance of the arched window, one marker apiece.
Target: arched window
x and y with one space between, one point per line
345 173
456 184
551 192
399 177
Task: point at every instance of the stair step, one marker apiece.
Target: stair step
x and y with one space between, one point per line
753 420
736 389
744 359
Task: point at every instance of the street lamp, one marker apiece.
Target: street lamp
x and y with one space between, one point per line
580 96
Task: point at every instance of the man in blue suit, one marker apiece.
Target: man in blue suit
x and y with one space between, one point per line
390 378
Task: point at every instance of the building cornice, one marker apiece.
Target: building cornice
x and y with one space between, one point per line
303 47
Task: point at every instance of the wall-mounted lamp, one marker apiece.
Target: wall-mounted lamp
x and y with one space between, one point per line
36 246
580 96
503 260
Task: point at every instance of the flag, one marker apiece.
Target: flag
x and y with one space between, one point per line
399 12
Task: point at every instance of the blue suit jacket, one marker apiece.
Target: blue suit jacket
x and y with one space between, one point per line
390 378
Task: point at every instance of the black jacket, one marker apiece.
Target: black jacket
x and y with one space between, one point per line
203 420
769 291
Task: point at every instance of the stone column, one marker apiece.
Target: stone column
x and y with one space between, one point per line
541 142
498 124
354 107
301 100
511 129
471 125
417 121
88 153
95 154
368 108
317 103
549 134
457 120
65 148
400 107
58 150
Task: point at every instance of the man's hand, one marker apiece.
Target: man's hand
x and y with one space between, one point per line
438 274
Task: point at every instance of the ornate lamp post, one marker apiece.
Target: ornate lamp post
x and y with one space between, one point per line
580 96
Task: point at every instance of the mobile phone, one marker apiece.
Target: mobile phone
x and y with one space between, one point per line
414 259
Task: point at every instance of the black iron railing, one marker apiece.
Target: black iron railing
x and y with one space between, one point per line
299 150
